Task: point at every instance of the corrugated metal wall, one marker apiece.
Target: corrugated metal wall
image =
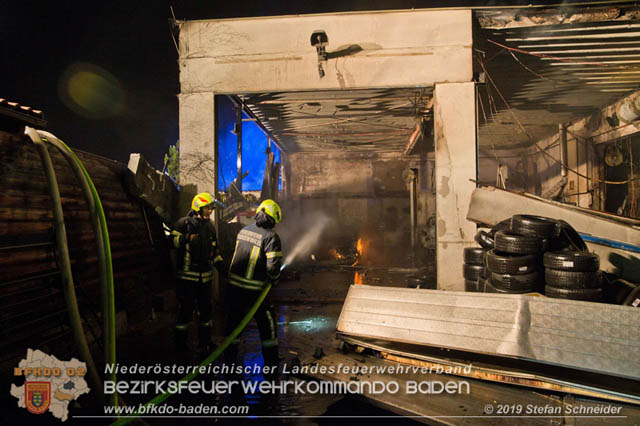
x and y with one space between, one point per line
32 309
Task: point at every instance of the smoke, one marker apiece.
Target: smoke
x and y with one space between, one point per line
304 233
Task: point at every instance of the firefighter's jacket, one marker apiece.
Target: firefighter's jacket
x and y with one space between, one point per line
257 258
197 258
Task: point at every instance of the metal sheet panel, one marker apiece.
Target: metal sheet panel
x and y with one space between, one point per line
597 337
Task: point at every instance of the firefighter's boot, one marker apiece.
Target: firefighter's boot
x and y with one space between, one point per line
270 355
230 359
204 337
180 338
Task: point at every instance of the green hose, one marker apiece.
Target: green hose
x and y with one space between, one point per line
109 306
65 262
102 242
208 360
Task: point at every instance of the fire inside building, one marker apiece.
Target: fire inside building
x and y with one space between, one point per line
421 216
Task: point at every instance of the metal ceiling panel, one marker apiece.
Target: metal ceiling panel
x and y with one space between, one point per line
542 75
358 120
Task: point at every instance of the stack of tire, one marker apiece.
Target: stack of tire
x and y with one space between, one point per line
571 272
473 268
476 273
533 253
515 261
573 275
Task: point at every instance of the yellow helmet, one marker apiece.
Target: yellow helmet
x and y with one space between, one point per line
202 199
272 209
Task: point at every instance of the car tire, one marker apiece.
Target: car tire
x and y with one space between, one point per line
616 291
536 226
491 288
512 282
474 255
582 261
505 263
509 242
545 243
573 279
484 239
488 287
585 294
472 272
482 283
472 286
416 282
633 299
503 225
569 238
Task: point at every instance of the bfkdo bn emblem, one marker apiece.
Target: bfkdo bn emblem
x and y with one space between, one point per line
37 396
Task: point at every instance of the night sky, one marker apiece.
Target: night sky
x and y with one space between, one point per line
105 73
134 109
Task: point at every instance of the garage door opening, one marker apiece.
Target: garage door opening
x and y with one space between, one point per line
360 162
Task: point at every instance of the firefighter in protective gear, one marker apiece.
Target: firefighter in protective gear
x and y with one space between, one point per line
256 262
194 237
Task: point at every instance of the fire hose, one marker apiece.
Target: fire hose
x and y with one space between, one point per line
104 253
208 360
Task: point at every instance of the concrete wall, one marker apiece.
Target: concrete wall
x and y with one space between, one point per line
426 201
374 49
455 152
197 141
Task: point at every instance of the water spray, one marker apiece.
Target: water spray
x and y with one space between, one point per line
308 239
295 322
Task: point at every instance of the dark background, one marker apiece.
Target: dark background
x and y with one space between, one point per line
134 108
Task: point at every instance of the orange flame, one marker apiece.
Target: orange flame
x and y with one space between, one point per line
362 247
361 251
335 254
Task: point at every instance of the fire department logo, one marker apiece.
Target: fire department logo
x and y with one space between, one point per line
50 384
37 396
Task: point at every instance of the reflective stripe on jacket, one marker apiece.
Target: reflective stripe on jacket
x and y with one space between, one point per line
257 258
195 259
194 276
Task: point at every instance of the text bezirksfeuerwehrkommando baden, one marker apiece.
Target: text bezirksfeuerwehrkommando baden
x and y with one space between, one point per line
334 387
125 385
